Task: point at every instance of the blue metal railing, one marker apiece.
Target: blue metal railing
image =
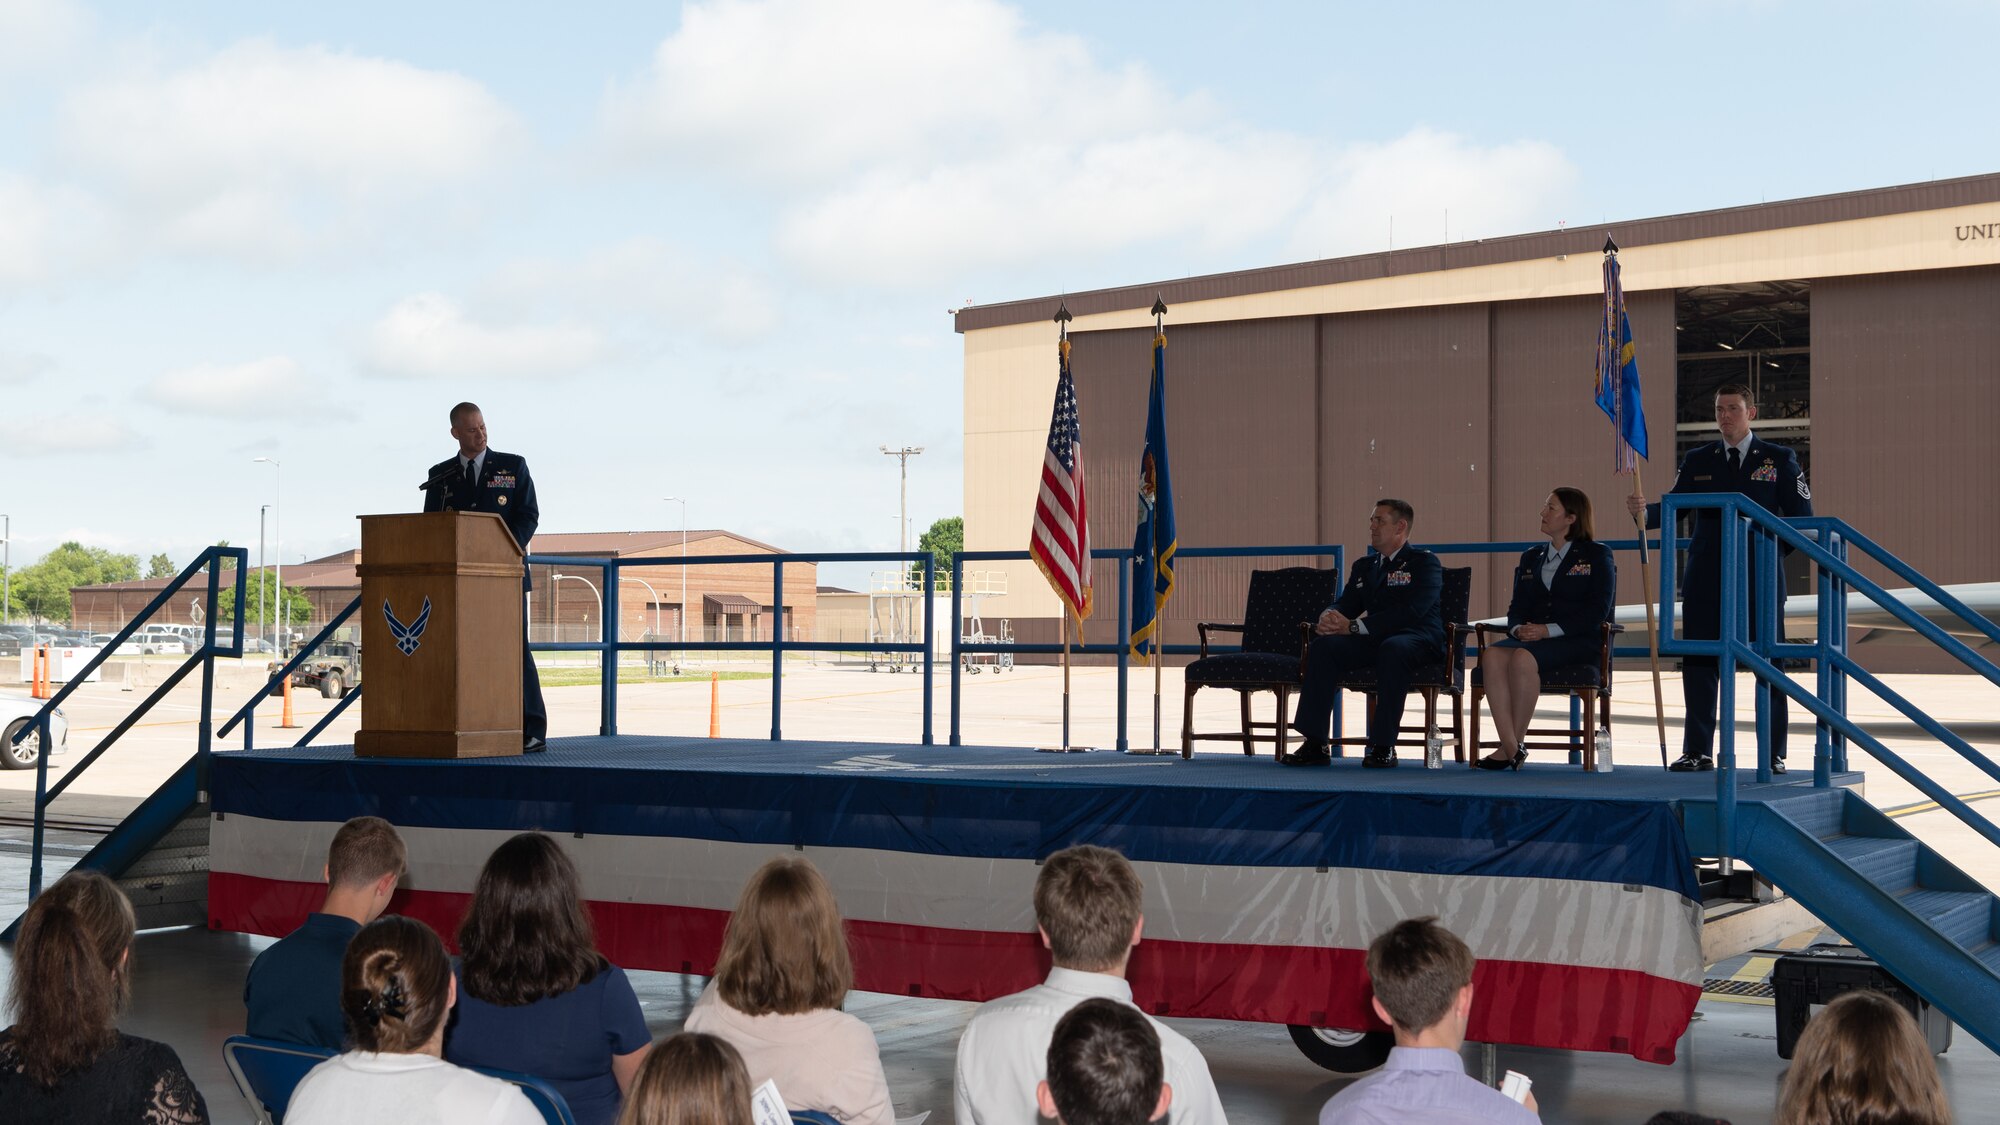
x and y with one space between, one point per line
778 646
210 561
1826 542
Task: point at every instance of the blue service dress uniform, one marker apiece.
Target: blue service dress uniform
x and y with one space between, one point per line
1770 475
1397 602
1580 600
507 490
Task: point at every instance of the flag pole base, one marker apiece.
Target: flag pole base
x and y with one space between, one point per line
1065 749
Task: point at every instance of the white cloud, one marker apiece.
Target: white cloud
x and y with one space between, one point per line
22 367
804 90
1421 176
72 432
46 231
429 336
261 388
36 34
1040 202
650 284
261 148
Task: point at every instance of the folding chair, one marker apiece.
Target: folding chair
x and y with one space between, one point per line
266 1070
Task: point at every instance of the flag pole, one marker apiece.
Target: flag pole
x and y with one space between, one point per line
1064 627
1646 586
1159 611
1652 620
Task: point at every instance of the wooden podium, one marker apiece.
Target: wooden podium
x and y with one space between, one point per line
440 636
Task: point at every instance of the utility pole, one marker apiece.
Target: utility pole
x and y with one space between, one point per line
903 525
6 569
262 511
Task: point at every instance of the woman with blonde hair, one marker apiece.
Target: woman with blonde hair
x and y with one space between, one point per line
1862 1061
690 1079
64 1059
396 989
779 983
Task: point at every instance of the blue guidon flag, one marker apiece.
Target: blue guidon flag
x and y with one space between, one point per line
408 637
1618 372
1154 544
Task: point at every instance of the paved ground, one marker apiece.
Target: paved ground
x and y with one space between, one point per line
189 982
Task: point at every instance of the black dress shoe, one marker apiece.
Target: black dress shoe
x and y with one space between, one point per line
1689 763
1777 765
534 744
1499 763
1313 753
1379 759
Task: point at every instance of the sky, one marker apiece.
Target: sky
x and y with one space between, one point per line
710 250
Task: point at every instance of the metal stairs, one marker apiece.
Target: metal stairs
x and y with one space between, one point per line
1899 901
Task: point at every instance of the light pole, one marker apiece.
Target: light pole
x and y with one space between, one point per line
6 569
593 593
680 656
902 525
278 536
262 512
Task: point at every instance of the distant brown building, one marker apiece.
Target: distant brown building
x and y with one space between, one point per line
725 601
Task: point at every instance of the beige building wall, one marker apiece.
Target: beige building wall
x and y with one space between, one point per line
1010 370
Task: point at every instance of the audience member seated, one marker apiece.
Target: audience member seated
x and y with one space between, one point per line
535 996
779 983
1087 903
396 989
690 1079
1421 974
293 990
1563 595
1104 1068
64 1059
1860 1061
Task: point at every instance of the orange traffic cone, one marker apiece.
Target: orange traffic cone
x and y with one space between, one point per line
286 723
714 705
39 687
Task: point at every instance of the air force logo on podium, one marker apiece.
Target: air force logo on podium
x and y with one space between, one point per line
408 637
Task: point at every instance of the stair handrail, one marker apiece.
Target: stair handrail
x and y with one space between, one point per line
210 560
1824 541
245 713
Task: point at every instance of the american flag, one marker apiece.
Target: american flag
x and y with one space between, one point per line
1060 540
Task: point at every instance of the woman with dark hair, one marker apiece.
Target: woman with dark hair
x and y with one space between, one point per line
690 1079
779 983
65 1060
1563 595
395 991
1862 1060
535 994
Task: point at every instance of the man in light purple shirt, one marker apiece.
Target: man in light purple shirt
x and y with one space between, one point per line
1422 977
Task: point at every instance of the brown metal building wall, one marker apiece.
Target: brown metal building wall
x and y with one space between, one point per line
1404 413
1547 431
1240 433
1905 399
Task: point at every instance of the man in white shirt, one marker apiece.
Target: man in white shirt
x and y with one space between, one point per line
1087 908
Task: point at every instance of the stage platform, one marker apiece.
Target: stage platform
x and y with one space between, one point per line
1264 885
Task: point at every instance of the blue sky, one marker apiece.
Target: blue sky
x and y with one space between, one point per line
708 250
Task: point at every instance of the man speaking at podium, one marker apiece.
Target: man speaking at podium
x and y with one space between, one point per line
479 479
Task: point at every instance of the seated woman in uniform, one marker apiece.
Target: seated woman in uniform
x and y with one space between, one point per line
1563 595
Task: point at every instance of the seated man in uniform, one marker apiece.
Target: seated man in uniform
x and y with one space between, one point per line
1386 617
293 990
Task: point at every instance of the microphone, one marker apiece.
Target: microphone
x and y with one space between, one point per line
442 476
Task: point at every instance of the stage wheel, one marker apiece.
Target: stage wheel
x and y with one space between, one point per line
1345 1052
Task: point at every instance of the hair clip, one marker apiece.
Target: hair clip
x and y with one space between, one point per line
395 1000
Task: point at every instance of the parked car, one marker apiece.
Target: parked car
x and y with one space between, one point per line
10 644
164 639
17 714
103 640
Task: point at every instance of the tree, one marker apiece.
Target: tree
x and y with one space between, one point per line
161 566
43 589
260 610
946 537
